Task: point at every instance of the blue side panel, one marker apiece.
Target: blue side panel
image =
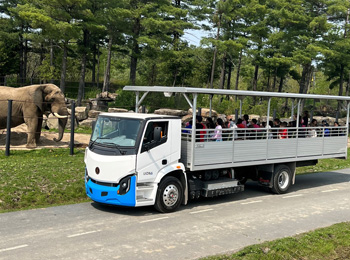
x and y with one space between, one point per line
109 195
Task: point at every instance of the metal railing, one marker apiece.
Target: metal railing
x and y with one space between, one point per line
230 134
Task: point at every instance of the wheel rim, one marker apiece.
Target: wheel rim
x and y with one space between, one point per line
170 195
283 180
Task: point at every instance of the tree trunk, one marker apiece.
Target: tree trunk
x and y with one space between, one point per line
83 68
21 62
135 52
51 57
228 83
281 84
107 77
175 76
268 80
304 81
153 75
274 81
64 68
93 69
98 66
223 72
25 60
341 81
255 81
214 56
347 86
238 70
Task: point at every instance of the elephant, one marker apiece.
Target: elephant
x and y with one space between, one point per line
29 105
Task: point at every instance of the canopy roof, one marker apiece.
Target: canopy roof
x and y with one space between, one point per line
208 91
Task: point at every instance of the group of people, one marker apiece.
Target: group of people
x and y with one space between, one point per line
276 129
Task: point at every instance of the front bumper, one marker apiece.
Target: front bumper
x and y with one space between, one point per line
109 195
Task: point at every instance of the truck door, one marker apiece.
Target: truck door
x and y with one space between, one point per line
154 154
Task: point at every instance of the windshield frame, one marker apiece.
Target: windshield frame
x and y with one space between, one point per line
110 148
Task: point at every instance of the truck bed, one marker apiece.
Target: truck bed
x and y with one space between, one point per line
255 148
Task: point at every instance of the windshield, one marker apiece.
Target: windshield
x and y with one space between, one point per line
116 131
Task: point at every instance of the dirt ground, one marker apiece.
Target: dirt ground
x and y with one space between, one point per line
19 139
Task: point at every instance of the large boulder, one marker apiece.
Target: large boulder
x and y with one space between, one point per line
93 113
171 112
117 110
87 122
205 112
52 122
81 113
186 119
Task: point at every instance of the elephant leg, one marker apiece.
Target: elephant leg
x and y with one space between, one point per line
38 129
32 125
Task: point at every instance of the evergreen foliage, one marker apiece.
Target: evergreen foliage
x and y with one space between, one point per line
298 46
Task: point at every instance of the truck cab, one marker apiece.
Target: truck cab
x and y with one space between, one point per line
129 155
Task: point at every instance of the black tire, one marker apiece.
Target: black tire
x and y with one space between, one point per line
282 179
169 195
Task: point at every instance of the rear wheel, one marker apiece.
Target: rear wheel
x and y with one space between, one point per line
282 179
169 195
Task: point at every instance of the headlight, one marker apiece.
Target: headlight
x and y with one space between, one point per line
124 185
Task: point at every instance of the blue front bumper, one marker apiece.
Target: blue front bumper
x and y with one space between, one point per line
109 195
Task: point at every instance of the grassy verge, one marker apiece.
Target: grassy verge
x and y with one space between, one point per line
326 165
326 243
46 177
41 178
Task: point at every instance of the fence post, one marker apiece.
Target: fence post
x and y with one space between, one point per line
72 124
8 130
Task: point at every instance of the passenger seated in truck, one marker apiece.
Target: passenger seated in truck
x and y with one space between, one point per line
336 131
188 126
218 130
276 124
199 125
210 123
283 132
240 129
312 133
245 121
326 131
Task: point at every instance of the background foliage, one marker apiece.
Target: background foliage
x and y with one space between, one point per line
297 46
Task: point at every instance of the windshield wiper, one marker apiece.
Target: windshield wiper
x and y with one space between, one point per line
93 142
108 144
116 146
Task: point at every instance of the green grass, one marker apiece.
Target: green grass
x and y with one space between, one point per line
46 177
50 177
41 178
326 165
326 243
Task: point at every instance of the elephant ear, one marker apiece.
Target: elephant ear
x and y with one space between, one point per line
38 97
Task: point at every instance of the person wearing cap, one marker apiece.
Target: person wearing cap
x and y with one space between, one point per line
326 130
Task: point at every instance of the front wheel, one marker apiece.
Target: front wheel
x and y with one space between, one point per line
169 195
282 179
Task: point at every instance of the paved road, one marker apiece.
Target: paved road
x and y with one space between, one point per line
205 227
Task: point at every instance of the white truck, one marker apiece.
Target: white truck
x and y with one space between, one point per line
137 159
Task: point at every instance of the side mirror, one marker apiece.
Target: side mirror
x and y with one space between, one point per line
157 134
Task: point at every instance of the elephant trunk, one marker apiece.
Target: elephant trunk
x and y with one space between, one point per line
62 122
